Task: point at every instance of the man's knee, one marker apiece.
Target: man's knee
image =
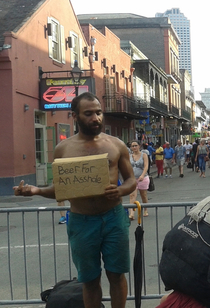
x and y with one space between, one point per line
115 277
92 284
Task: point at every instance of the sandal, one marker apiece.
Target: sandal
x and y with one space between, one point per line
131 217
145 214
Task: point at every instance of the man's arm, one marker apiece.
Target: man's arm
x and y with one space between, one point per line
164 154
30 190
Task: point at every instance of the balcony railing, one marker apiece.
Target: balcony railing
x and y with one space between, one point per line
203 115
190 94
176 74
186 114
122 105
156 104
174 111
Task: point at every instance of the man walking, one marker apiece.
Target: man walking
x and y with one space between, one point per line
169 155
98 226
180 156
188 148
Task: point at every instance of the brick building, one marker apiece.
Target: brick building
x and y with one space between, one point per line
157 39
39 43
34 38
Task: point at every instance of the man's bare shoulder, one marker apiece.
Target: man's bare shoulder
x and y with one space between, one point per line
112 139
63 145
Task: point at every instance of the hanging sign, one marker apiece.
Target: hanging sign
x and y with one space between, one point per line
57 94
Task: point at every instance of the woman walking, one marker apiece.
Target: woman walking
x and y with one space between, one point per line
139 162
159 159
201 154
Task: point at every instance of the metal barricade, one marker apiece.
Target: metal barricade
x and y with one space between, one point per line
35 252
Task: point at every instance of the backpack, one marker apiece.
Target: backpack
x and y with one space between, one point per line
65 294
185 260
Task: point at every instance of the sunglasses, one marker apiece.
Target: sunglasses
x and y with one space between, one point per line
135 145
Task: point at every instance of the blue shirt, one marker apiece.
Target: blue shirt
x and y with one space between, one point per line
168 153
150 149
180 152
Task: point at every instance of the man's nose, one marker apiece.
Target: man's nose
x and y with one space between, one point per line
95 117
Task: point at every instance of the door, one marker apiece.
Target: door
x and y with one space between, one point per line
51 143
41 166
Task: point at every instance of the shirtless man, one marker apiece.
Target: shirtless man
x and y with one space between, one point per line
91 219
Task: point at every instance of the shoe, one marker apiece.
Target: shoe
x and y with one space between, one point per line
157 177
62 220
170 176
166 175
181 175
131 217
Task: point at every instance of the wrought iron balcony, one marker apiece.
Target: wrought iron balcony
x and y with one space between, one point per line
158 106
186 115
123 106
189 94
174 111
176 74
202 116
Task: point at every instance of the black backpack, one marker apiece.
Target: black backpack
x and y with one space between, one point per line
65 294
185 260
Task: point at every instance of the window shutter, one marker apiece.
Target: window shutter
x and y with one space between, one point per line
63 59
71 51
80 54
50 41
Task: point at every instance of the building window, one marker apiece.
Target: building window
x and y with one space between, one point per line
76 50
108 129
63 131
56 41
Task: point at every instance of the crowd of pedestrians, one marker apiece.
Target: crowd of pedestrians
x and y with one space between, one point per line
194 155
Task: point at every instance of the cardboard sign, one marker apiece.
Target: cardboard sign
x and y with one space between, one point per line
80 177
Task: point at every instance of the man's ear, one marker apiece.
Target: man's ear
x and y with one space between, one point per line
74 115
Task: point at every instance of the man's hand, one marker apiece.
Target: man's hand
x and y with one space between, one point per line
25 190
112 192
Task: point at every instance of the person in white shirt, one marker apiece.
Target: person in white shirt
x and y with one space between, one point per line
188 148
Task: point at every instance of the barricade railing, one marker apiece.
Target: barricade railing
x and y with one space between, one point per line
35 252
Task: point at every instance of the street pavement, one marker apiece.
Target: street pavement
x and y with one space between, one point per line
190 188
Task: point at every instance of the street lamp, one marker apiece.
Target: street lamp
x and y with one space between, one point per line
76 74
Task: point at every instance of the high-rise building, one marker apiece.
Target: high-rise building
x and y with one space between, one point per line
182 26
205 97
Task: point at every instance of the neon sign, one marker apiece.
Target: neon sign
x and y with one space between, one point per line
57 94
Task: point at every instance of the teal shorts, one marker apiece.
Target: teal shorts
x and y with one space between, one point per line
103 236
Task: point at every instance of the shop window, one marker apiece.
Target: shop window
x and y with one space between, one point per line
63 132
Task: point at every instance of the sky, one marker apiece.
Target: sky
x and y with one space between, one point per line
196 12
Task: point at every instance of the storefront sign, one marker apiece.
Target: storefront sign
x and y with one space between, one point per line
146 115
57 94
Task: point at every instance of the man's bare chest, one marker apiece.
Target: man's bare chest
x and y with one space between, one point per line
86 150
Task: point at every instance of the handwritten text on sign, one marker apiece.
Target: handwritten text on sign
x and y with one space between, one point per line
86 174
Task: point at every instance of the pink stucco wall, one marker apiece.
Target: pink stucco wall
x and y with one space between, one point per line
20 85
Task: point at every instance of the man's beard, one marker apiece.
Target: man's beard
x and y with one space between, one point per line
89 130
